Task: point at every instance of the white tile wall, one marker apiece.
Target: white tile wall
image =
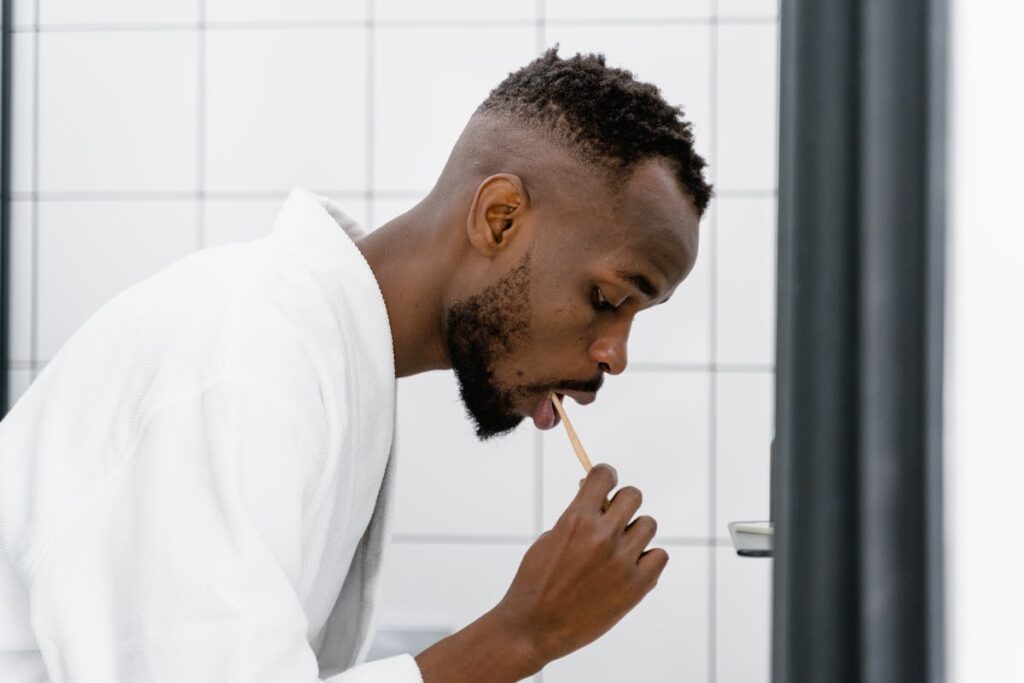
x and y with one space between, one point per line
261 11
427 83
742 618
18 383
450 483
678 331
23 118
301 94
21 274
445 586
745 301
126 103
747 57
23 12
84 260
663 640
455 10
155 141
653 427
743 422
746 9
117 11
238 220
615 9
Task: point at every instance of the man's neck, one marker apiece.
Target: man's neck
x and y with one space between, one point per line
412 257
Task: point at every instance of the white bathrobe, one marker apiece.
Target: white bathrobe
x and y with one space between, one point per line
198 485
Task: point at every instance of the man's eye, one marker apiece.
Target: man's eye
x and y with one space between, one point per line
600 303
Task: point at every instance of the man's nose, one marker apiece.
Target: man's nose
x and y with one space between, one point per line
610 353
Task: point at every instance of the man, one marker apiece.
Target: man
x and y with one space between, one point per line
197 487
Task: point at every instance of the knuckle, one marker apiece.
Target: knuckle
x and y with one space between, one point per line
602 543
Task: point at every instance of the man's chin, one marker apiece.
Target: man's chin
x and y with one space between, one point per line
491 427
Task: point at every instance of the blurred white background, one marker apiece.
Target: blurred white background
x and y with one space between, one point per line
145 131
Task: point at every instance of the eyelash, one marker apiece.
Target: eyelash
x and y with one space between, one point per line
600 303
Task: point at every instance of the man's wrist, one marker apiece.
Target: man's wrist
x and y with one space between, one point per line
493 648
522 644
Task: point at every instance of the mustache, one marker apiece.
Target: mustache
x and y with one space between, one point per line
589 385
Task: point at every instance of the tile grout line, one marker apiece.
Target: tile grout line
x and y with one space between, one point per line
312 25
713 376
34 295
259 195
201 129
514 539
369 184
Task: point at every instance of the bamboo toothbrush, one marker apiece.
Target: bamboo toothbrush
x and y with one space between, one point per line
573 439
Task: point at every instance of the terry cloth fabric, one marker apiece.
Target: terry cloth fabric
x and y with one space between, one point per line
198 485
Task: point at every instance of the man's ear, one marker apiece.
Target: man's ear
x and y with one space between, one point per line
496 213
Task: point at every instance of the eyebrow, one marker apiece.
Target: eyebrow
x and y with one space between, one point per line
640 282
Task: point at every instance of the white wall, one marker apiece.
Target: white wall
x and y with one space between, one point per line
145 131
985 336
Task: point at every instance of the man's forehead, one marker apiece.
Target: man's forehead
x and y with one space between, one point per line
658 222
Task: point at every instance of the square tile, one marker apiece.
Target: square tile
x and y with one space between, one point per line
748 9
422 103
22 264
678 331
118 111
743 601
23 118
639 9
460 10
676 58
18 382
23 13
745 277
448 481
745 425
117 12
286 108
238 220
90 251
664 639
444 587
242 220
653 428
748 84
284 10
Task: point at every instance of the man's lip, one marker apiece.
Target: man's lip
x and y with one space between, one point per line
582 397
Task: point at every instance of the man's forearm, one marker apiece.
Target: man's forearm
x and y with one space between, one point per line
490 649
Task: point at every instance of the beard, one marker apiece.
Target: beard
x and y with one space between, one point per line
478 331
482 330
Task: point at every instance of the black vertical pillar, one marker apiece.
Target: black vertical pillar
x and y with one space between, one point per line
858 544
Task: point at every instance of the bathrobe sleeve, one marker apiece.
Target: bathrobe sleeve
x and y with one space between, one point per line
182 564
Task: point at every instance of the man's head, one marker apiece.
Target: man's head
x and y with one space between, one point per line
584 198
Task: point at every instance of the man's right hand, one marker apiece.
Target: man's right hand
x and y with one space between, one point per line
574 583
584 574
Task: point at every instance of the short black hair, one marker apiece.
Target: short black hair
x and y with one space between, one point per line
603 114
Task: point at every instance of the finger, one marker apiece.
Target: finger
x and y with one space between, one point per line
651 564
601 479
623 506
639 534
